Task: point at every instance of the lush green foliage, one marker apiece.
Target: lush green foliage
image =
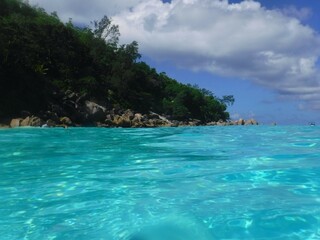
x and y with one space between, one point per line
40 55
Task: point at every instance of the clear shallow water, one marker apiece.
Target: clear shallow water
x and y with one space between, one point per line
198 183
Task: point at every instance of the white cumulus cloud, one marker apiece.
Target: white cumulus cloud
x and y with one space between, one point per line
84 11
243 39
302 13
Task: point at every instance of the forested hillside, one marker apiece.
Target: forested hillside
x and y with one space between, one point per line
41 58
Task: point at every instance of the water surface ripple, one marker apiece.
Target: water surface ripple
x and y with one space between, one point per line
197 183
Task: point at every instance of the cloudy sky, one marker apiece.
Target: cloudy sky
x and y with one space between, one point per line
264 52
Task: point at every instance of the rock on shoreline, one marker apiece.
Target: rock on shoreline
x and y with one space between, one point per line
73 110
124 119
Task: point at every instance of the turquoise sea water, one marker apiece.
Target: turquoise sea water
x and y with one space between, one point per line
198 183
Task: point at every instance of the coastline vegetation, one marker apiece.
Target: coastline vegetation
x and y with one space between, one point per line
41 56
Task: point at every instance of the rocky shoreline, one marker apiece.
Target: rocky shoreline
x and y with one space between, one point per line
74 110
128 119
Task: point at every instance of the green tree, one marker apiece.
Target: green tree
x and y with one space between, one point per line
228 100
104 29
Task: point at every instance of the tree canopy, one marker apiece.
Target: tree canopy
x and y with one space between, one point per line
40 55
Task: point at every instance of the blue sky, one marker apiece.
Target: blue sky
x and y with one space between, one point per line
265 53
